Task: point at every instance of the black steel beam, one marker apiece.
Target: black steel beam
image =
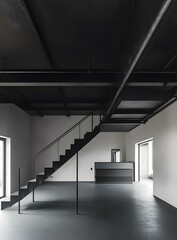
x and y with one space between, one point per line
37 32
123 121
169 63
133 111
57 78
112 79
150 78
64 101
117 98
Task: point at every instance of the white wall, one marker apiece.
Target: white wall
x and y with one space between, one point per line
144 161
16 125
163 129
99 149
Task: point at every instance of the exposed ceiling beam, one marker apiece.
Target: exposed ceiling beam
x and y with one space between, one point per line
64 101
169 63
59 78
37 32
133 111
123 121
57 84
62 112
117 98
84 84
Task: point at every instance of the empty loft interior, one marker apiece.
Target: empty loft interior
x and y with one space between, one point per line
88 110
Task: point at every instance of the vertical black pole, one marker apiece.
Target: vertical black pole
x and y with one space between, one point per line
19 191
33 195
92 121
77 192
34 168
58 150
79 131
100 115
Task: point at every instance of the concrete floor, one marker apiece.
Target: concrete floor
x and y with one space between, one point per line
107 211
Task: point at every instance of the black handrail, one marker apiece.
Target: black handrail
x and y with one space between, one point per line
62 136
50 145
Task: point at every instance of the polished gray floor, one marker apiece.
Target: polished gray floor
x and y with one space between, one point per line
107 211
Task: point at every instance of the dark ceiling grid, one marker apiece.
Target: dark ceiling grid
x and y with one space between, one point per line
117 99
79 79
77 91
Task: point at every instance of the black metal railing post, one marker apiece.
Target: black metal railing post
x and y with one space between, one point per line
19 191
78 124
33 195
58 151
100 115
92 122
79 131
77 187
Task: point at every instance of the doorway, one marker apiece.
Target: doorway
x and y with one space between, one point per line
144 162
115 155
2 167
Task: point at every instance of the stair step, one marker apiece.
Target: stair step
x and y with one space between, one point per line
24 187
57 165
49 171
32 184
62 159
41 177
87 134
32 180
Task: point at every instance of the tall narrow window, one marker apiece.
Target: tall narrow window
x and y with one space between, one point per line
2 167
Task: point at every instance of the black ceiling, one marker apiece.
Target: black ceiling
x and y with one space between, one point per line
69 57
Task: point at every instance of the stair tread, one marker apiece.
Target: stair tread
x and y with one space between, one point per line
15 194
79 143
33 180
5 199
24 187
41 174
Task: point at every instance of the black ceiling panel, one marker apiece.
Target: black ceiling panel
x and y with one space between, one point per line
143 14
20 48
71 57
81 34
162 51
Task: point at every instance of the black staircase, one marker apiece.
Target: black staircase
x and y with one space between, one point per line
48 171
